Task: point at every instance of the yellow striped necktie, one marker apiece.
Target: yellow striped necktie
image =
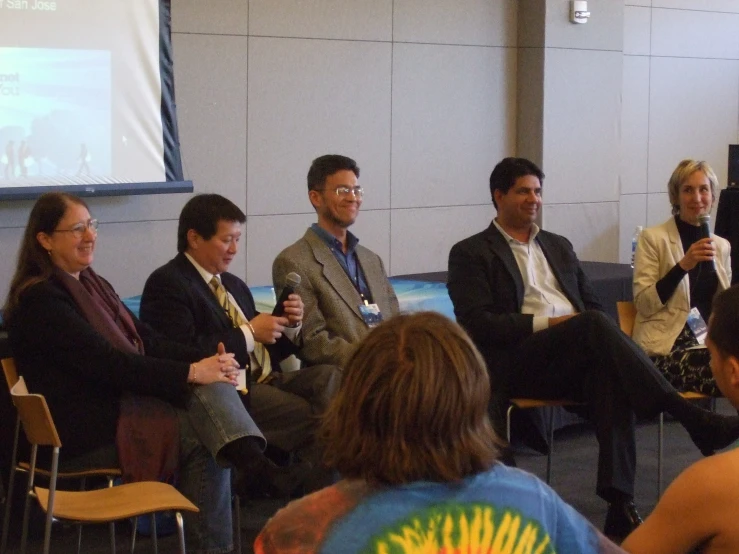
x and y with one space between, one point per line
261 355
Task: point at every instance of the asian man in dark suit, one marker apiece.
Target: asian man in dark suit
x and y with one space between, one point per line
522 295
194 300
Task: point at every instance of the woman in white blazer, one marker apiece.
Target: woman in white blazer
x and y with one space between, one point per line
676 270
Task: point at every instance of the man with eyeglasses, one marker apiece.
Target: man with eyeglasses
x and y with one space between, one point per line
344 285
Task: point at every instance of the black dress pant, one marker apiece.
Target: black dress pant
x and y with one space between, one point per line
588 359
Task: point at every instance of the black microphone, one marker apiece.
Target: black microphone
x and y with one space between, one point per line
291 281
704 220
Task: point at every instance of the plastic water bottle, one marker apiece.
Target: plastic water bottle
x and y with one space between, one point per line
634 240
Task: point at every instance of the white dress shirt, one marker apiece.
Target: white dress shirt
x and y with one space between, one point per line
542 295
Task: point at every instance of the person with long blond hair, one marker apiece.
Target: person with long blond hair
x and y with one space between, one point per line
409 432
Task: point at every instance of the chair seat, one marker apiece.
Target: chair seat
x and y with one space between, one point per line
110 504
96 472
527 403
694 395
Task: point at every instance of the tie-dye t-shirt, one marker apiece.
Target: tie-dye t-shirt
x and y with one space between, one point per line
502 510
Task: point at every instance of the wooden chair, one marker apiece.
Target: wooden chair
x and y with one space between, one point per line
626 318
16 466
529 403
97 506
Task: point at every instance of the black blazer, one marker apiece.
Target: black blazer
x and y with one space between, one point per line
81 375
178 303
486 289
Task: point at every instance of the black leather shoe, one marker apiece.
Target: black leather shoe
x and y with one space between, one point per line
621 519
713 432
273 482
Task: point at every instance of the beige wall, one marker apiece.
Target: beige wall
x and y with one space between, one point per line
424 95
570 77
680 99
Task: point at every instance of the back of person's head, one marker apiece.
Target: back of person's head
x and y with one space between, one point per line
327 165
202 214
506 173
724 322
681 174
34 263
412 406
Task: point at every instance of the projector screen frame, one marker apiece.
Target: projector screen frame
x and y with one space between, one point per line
103 189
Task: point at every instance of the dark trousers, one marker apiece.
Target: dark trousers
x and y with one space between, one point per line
288 409
588 359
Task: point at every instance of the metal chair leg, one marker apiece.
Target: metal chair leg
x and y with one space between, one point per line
27 500
551 445
9 494
660 444
181 531
154 533
133 535
83 483
508 423
237 522
111 525
52 495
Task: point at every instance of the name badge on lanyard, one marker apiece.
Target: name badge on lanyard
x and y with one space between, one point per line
371 314
697 325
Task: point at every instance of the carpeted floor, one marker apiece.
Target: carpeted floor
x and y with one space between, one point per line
573 477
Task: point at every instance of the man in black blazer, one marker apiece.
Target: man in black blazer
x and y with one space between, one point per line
523 297
180 301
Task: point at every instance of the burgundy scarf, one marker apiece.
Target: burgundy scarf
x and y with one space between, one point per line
147 437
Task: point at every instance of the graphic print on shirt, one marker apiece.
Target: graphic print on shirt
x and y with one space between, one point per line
456 528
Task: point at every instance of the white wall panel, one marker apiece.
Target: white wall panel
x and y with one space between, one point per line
313 97
593 229
637 23
10 240
126 254
693 113
658 207
422 237
634 125
212 119
453 119
476 22
698 5
695 34
335 19
582 115
219 17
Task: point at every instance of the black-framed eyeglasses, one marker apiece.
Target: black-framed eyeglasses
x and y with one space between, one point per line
78 230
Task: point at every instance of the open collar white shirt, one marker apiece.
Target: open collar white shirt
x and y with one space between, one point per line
542 296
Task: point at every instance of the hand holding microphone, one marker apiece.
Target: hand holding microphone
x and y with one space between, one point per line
289 304
702 250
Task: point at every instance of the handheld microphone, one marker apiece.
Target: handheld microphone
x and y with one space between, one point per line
704 220
291 281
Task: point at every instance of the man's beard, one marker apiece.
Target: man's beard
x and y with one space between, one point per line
338 222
